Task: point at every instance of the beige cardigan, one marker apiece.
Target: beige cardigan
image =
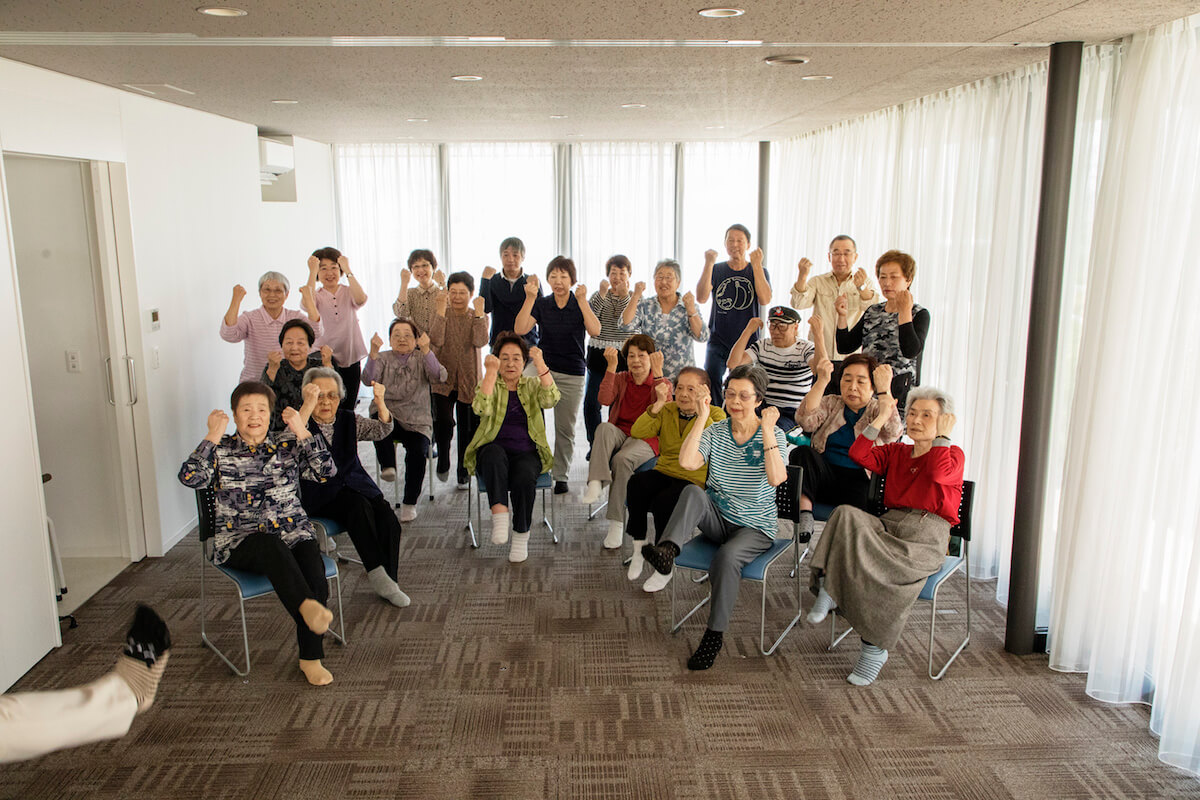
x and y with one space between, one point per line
828 418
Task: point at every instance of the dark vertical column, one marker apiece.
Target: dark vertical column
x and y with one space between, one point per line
764 191
1062 98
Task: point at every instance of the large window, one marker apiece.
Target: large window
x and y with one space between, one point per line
720 187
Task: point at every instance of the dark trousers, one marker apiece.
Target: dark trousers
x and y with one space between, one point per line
352 377
416 451
829 484
508 475
371 525
297 574
445 409
714 365
651 492
597 365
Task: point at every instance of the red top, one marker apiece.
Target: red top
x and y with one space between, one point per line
626 400
932 482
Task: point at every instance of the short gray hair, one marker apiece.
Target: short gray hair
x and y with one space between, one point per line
278 277
672 264
750 372
943 399
312 373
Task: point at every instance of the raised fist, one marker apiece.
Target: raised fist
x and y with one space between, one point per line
344 263
703 402
490 363
656 362
376 343
405 276
756 257
945 424
488 272
218 421
423 342
755 324
841 307
804 267
860 278
306 293
883 378
610 355
439 303
770 415
662 392
710 257
239 293
817 326
603 288
439 277
824 369
689 302
274 359
326 355
531 286
639 288
479 306
536 356
379 390
904 300
581 294
310 393
295 423
313 264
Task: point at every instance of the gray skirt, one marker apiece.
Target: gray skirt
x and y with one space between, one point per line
875 567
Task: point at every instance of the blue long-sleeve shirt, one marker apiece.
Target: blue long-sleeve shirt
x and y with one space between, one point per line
503 300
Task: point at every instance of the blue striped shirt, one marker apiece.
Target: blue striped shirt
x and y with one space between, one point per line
737 477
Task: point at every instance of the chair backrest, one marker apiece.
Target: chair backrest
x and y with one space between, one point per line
787 494
206 506
963 528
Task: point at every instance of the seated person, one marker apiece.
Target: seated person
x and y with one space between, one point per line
872 569
657 491
285 367
260 525
509 450
787 358
834 421
407 378
616 453
736 509
350 497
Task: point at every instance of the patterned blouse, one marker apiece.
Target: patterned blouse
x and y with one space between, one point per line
456 338
418 306
670 331
881 335
257 486
287 387
608 309
407 380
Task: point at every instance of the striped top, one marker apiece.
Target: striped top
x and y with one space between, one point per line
608 310
261 332
737 477
789 377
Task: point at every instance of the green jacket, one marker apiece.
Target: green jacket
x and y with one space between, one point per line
492 408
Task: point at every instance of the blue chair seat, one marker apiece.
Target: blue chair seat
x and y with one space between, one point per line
699 552
949 565
822 511
253 584
646 466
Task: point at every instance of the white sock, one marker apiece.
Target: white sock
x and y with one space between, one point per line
592 493
387 588
870 660
519 549
821 608
500 527
616 535
638 562
657 581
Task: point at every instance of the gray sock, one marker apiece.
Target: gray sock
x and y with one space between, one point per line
387 588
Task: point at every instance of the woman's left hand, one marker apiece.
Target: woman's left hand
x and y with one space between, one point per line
656 363
581 294
770 415
344 263
945 424
904 302
539 360
311 392
378 389
423 342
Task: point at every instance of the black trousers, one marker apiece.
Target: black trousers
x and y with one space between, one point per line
829 484
352 377
445 409
508 475
597 365
651 492
297 574
416 451
371 524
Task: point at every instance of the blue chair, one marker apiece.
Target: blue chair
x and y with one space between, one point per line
646 466
929 592
697 555
327 529
249 584
544 485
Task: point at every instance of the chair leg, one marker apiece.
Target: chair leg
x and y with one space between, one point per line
675 626
429 472
340 633
762 619
549 522
204 632
933 625
472 496
594 512
835 638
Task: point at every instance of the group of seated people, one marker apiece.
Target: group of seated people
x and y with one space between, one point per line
295 454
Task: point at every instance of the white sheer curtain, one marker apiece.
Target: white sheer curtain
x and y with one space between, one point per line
623 201
1127 578
720 187
388 200
499 190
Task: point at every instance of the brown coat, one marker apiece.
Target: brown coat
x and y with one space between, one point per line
456 339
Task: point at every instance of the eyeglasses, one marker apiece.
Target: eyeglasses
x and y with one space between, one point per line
745 397
779 323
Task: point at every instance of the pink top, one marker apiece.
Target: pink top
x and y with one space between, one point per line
261 334
339 315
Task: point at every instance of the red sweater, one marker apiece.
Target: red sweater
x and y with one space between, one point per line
932 482
627 400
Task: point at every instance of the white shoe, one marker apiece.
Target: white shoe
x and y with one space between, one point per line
616 535
657 581
638 562
500 528
592 493
408 513
463 485
388 474
519 549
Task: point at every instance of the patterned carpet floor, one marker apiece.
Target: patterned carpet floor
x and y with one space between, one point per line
558 678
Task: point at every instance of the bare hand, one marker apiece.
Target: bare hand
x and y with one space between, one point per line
479 306
326 355
710 258
841 307
860 278
376 343
379 390
883 378
488 272
904 300
310 393
306 294
755 324
274 358
945 424
405 277
239 293
703 403
491 363
656 362
804 267
770 415
538 359
817 326
314 264
439 277
439 303
689 302
610 355
423 342
295 421
662 393
531 286
756 258
824 370
887 406
603 288
639 288
218 421
344 263
581 294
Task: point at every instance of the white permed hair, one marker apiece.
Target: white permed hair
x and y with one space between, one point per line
278 277
943 399
312 373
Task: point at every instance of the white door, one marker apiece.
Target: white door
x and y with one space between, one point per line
84 383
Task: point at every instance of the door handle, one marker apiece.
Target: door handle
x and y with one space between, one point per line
109 385
131 377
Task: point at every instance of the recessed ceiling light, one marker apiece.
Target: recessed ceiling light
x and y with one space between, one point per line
816 77
285 102
416 119
786 61
221 11
720 13
466 77
744 41
558 116
633 105
713 127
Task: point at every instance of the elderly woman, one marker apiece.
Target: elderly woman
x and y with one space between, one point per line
872 568
338 305
736 509
831 476
418 302
459 330
563 319
616 453
260 525
608 304
260 328
509 450
350 496
657 491
673 322
407 372
894 331
285 368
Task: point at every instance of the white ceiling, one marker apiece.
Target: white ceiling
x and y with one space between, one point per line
581 60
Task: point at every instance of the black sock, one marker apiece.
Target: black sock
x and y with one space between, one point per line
804 528
661 556
148 637
706 653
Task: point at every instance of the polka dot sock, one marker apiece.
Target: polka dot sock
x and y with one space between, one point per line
706 653
661 556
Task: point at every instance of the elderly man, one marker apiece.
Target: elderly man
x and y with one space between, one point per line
787 359
821 292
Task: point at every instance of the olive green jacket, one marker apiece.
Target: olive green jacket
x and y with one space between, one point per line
492 408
